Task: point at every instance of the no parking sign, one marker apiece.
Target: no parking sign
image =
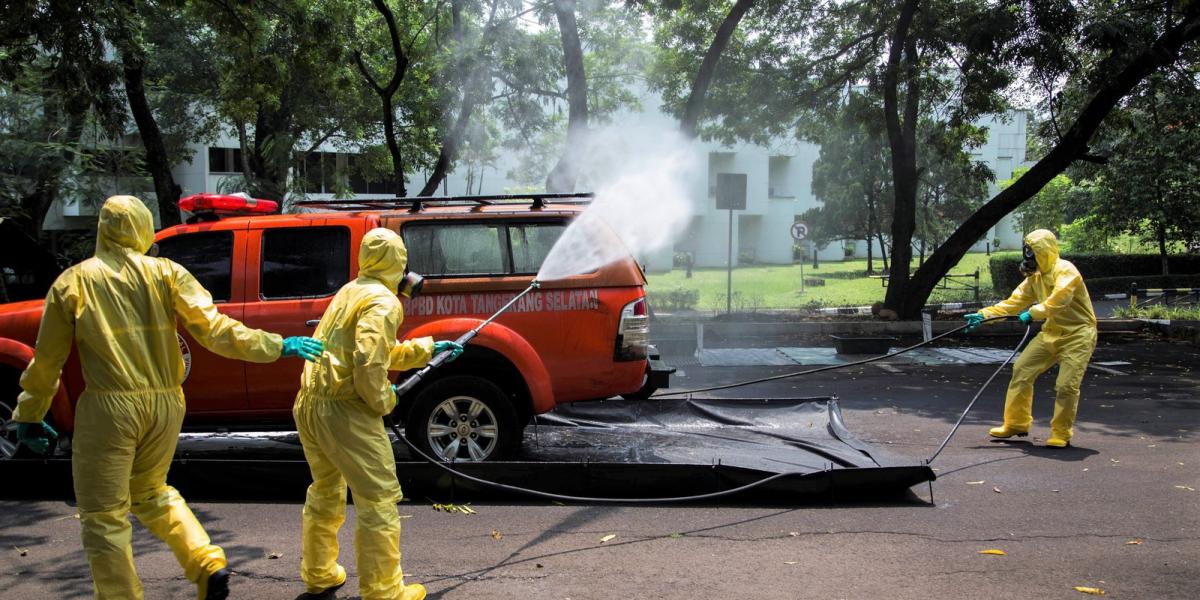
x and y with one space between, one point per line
799 231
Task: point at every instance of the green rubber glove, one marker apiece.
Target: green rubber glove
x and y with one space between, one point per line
973 320
1025 318
454 348
36 436
309 349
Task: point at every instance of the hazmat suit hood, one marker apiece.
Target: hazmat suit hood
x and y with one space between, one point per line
383 256
125 225
1045 248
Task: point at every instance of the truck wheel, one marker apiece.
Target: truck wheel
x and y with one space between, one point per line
9 448
463 418
644 393
8 433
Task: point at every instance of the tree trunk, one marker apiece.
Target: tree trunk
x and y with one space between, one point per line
870 254
247 174
563 176
165 188
387 94
883 251
708 67
902 140
1162 248
450 144
1073 144
469 85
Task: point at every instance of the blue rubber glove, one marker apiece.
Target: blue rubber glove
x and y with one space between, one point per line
1025 318
454 348
36 436
309 349
973 320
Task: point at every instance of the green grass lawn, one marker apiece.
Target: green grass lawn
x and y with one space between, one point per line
778 286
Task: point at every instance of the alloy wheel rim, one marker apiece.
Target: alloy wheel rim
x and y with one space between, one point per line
462 429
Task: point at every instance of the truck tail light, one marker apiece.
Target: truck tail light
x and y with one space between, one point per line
633 332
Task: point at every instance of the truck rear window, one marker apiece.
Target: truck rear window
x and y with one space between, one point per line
208 256
493 248
304 262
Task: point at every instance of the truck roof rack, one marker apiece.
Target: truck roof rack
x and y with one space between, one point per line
415 203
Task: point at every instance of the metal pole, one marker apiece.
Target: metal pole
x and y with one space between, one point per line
729 268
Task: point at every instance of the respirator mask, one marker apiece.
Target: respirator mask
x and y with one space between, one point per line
1029 264
410 284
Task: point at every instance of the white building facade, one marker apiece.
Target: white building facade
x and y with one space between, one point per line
778 190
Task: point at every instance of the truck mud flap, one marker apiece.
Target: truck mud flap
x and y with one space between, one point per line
611 448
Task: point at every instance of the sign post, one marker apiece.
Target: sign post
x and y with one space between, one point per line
799 232
731 196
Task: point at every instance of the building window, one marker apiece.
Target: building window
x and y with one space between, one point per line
207 256
224 160
530 243
311 262
494 248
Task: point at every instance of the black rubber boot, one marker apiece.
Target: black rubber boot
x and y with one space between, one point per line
326 594
218 586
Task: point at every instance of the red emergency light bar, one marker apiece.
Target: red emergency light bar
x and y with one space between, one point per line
228 204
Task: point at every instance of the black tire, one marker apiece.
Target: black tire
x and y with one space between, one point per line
644 393
492 434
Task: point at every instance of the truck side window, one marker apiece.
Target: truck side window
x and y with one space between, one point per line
456 249
304 262
208 256
530 243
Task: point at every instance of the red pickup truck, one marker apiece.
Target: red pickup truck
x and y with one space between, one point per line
580 338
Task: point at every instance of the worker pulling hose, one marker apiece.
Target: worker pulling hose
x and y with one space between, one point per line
413 380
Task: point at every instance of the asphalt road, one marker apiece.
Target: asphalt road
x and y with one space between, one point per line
1119 511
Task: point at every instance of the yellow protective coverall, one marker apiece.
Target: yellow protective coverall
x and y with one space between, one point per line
339 413
1057 295
119 307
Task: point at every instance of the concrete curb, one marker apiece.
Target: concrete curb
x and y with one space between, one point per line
684 336
1186 331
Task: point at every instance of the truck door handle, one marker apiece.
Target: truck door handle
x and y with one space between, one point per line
312 322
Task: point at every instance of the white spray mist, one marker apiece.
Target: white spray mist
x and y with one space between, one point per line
642 204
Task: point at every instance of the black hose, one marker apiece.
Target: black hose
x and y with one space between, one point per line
953 430
567 498
712 495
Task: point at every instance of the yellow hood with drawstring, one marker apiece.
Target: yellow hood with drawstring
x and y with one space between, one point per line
1055 294
338 415
359 330
120 309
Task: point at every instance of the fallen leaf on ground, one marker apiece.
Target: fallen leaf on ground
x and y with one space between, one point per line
608 537
496 534
676 536
1134 543
980 482
996 489
1089 590
994 552
274 556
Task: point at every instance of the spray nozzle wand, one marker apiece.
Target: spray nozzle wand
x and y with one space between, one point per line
408 384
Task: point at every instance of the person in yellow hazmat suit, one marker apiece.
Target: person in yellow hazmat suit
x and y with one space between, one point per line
1053 291
339 412
120 309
